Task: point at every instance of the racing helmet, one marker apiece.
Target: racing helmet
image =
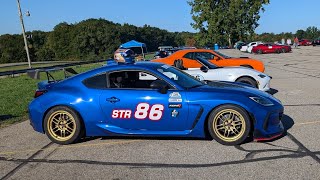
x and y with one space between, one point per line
124 56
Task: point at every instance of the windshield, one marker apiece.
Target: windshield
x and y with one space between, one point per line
181 78
223 55
206 63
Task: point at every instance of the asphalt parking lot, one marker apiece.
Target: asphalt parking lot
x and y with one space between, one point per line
25 154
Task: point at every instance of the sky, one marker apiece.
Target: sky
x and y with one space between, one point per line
172 15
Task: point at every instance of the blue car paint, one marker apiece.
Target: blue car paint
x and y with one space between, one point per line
197 103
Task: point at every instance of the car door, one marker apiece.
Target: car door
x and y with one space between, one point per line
137 107
189 60
211 74
269 48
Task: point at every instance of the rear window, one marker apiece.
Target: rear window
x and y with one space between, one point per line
96 82
189 55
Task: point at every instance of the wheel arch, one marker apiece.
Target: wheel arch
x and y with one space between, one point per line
247 66
70 107
247 76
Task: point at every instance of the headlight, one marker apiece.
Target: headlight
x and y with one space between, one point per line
262 75
262 101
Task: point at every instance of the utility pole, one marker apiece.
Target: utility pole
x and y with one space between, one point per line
24 34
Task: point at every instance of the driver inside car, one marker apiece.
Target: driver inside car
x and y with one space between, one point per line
116 81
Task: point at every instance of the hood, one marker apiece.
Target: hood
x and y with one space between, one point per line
239 68
233 88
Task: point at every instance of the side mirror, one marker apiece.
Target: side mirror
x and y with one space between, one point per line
204 69
161 85
216 58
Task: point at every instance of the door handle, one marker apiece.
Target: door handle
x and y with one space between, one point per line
113 99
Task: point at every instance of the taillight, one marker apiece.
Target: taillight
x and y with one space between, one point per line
39 93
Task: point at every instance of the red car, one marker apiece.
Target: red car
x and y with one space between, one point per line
304 42
270 48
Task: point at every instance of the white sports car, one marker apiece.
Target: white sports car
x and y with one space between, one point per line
248 47
211 72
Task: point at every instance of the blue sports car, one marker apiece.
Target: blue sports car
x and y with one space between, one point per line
152 99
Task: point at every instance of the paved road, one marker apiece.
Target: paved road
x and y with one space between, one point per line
25 154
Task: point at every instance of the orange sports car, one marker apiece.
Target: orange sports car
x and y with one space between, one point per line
189 56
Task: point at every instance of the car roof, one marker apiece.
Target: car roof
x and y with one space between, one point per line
195 50
138 65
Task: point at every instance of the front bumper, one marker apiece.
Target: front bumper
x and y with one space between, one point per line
270 127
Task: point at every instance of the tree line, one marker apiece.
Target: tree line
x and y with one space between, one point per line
95 39
90 39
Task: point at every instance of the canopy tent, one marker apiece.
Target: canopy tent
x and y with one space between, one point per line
135 44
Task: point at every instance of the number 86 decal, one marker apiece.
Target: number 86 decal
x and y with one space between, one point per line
155 113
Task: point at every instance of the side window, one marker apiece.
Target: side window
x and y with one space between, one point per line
189 55
131 79
205 55
96 82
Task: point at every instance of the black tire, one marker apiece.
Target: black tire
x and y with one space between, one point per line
247 66
248 80
259 51
227 119
278 51
67 124
283 50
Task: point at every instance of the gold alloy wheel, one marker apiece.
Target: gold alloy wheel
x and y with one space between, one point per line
61 125
229 125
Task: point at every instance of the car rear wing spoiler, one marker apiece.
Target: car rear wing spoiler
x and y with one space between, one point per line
35 74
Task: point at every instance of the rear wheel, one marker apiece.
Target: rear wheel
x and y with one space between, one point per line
247 66
283 50
247 80
259 51
62 125
229 124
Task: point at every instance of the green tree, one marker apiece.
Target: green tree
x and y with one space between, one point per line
312 32
300 34
12 49
224 21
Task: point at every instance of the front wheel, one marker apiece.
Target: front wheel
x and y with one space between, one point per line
62 125
248 80
229 125
259 51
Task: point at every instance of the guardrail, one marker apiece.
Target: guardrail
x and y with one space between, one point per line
21 71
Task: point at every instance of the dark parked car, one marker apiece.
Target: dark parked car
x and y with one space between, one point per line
316 42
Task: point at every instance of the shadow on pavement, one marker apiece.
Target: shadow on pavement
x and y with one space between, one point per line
7 116
287 122
272 91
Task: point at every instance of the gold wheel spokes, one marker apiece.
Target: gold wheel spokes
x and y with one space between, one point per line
61 125
56 121
229 125
237 123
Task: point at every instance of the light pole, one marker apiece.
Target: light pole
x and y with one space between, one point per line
24 34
